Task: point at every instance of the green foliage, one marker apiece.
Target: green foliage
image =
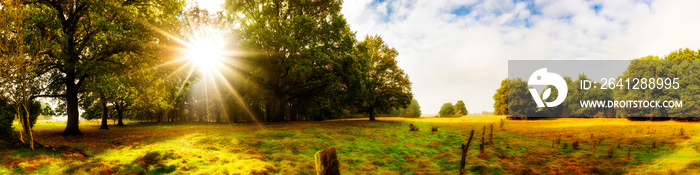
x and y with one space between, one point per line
46 109
386 86
78 40
500 98
680 64
301 48
460 109
520 102
309 65
447 110
8 114
412 111
557 111
6 117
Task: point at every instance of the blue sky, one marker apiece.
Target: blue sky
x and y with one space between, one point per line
458 49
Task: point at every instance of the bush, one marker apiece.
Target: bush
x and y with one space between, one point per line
7 116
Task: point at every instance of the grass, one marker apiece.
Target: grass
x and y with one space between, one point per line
381 147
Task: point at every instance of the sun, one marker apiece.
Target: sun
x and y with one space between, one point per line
206 49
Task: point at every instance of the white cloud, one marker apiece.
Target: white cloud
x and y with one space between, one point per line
450 57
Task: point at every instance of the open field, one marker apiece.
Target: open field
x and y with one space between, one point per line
381 147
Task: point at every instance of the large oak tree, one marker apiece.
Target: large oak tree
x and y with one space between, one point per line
84 38
386 86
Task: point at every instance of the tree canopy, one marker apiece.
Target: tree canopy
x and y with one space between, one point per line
460 109
446 110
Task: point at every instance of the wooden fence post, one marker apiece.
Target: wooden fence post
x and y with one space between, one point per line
491 135
503 122
483 135
464 153
327 162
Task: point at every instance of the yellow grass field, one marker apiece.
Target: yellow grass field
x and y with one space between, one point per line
385 146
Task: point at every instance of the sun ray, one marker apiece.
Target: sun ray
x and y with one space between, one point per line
203 51
238 97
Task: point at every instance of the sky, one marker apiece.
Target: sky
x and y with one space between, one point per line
459 49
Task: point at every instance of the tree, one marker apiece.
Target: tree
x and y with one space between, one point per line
561 110
500 104
645 67
446 110
298 46
460 109
520 102
386 86
413 109
677 64
683 68
85 38
20 79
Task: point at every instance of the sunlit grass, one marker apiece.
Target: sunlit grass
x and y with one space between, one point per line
382 147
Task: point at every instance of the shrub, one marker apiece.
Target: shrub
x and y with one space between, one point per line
6 117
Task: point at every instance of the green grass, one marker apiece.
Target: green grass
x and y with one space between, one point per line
380 147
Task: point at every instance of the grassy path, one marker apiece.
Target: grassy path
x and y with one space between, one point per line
685 160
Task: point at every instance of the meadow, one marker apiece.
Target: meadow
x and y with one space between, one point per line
385 146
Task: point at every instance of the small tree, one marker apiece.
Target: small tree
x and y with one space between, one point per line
413 110
460 109
500 105
20 79
447 110
386 85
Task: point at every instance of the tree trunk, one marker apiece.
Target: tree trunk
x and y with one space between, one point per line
28 128
72 127
371 114
103 104
491 135
21 122
120 115
159 117
218 115
274 109
234 114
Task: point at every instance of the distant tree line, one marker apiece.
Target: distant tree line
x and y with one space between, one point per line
681 64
